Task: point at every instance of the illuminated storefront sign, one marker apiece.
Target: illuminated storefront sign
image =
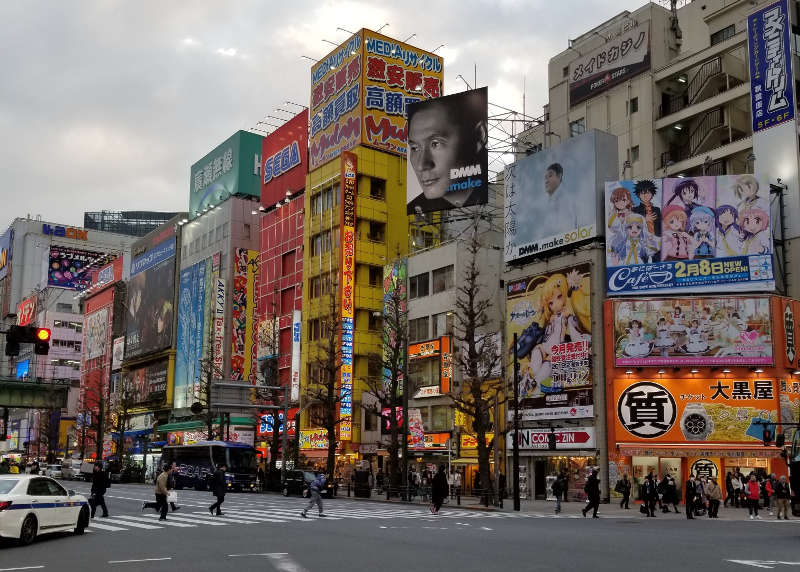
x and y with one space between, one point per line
347 280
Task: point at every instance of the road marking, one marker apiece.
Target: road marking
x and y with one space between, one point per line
22 568
133 524
198 519
238 518
167 522
764 563
139 560
259 554
282 562
485 528
99 526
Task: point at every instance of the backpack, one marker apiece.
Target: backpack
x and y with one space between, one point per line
319 482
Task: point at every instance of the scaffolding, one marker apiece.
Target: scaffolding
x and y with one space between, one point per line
130 223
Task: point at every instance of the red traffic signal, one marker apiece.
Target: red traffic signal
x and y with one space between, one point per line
766 436
42 335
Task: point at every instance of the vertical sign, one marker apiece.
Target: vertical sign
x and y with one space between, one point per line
219 325
26 311
446 365
771 83
296 331
347 281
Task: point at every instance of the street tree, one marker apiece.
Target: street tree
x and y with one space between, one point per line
124 399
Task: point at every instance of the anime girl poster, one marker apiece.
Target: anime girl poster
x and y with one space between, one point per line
633 221
742 218
689 234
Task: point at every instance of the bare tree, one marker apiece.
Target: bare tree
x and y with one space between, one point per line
123 401
270 340
387 388
209 371
479 358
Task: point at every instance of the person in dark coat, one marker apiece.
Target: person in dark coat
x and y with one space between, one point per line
623 487
691 494
99 487
592 488
218 488
439 490
171 484
650 495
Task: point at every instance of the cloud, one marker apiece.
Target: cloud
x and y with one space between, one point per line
230 52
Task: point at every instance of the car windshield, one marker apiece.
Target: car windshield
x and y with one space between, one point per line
242 460
6 485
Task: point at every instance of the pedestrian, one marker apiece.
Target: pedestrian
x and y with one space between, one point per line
592 489
218 487
690 491
783 496
501 481
753 496
714 495
728 489
738 486
700 497
650 495
161 494
457 485
438 490
559 487
314 489
261 485
769 485
99 487
171 486
623 487
671 494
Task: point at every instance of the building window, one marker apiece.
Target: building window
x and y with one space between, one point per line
225 230
418 286
418 329
565 71
245 230
442 279
287 263
723 34
423 372
375 275
63 307
633 105
577 127
440 417
377 231
377 189
633 154
443 324
375 321
375 368
370 421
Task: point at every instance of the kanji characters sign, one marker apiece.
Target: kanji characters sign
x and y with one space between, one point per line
694 410
347 280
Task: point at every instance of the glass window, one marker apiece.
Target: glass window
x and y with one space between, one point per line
633 105
218 455
370 421
418 286
6 485
63 307
377 231
38 487
241 460
375 275
440 417
443 324
418 329
577 127
246 230
634 153
377 189
723 34
375 322
442 279
565 71
56 490
423 372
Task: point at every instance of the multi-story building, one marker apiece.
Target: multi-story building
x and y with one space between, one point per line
131 223
355 210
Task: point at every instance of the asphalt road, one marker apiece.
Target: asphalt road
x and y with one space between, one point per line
266 532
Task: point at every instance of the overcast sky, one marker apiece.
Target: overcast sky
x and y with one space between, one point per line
105 105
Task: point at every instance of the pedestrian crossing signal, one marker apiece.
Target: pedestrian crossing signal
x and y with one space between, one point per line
767 436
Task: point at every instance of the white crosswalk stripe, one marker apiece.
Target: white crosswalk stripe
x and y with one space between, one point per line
132 524
160 522
198 519
99 526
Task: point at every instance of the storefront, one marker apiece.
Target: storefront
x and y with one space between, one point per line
699 404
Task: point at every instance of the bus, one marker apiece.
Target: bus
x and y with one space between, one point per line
196 463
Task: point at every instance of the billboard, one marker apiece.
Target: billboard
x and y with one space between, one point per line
614 62
572 438
96 333
284 160
6 241
190 333
553 197
70 267
360 93
551 315
232 168
218 324
693 411
692 331
348 294
151 293
396 75
149 383
439 349
26 311
771 80
117 353
448 154
297 326
266 423
707 234
243 319
313 439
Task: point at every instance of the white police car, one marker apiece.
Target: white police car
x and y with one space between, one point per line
31 505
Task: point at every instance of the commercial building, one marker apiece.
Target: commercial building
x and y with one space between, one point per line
130 223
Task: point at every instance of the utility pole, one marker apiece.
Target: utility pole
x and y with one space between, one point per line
516 426
405 419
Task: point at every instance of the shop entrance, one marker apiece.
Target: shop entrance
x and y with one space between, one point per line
539 481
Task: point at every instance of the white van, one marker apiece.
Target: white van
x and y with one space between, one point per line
71 469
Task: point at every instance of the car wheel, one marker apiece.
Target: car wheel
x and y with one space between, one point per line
83 521
27 533
285 491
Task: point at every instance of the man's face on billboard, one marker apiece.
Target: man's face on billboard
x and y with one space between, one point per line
433 146
551 181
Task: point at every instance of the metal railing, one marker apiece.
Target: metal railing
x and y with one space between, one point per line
713 119
708 70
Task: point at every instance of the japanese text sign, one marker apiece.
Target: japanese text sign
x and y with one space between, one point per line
347 280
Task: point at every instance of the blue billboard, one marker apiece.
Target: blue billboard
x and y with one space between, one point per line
23 369
771 80
191 306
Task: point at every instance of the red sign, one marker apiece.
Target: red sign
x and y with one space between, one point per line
284 160
26 311
266 423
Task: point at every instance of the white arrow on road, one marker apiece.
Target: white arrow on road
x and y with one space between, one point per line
764 563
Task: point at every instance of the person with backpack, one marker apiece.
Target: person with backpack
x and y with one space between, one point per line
623 487
559 489
592 489
314 489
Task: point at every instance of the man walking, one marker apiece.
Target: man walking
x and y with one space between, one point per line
314 489
691 493
714 495
161 494
559 489
782 497
623 487
218 488
438 490
592 489
99 487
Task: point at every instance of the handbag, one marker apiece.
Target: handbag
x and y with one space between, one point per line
172 496
643 509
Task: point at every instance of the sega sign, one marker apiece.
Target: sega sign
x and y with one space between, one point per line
284 152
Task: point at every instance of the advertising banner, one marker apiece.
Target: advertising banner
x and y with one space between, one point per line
117 353
266 424
297 326
551 197
233 168
149 383
693 411
70 267
95 334
284 157
572 438
432 441
26 311
448 155
614 62
313 439
396 75
709 234
267 339
5 252
386 414
395 301
771 80
219 325
347 279
189 345
416 430
243 308
551 315
151 292
692 331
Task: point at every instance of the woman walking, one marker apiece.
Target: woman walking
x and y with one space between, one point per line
439 490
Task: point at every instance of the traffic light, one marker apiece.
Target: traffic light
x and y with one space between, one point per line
17 335
766 436
551 440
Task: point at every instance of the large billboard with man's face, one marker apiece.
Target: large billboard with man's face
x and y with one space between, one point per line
448 152
553 198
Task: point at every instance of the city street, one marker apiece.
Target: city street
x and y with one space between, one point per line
266 532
